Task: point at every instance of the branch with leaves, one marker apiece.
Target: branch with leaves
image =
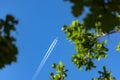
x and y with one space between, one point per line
60 72
104 75
88 47
8 49
103 12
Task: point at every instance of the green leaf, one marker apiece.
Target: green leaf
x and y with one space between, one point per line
99 58
118 47
54 65
61 64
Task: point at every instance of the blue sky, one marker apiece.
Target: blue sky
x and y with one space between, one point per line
40 21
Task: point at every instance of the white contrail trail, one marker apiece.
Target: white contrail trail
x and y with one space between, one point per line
45 58
50 50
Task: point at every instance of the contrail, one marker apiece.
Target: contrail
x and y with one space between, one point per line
45 58
48 51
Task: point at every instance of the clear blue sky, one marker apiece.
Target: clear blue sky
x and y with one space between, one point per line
40 21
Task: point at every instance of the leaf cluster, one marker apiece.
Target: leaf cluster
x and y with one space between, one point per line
8 49
60 72
88 47
105 12
105 75
104 19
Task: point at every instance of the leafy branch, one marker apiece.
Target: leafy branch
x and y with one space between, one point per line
60 72
8 49
88 47
105 75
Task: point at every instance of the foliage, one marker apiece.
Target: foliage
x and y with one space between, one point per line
8 49
105 75
103 12
60 72
88 47
103 19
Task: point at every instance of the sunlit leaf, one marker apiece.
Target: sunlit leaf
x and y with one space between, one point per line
118 47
